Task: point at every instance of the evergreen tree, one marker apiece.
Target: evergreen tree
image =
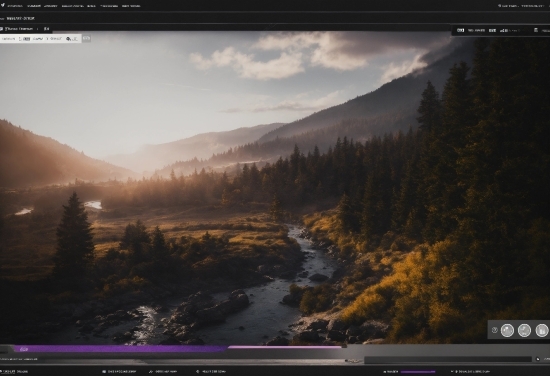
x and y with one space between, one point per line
159 247
276 210
442 192
75 247
430 109
136 240
346 215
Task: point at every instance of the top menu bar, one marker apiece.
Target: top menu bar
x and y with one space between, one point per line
281 5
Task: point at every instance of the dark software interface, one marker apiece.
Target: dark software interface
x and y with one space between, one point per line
266 188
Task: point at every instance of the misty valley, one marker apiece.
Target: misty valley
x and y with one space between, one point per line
411 214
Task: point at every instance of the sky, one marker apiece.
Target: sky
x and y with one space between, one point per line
128 89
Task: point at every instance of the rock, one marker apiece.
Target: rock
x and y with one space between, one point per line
241 327
335 335
318 324
278 341
303 274
307 336
237 301
195 303
182 318
182 335
209 316
336 324
283 332
289 274
373 329
290 300
236 293
263 269
353 331
318 277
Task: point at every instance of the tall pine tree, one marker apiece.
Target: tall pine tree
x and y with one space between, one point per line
75 247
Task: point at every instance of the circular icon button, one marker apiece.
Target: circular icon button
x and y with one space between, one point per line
524 330
507 330
541 330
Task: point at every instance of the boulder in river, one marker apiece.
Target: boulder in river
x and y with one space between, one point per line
318 277
335 335
307 336
353 331
373 329
201 309
336 324
262 269
288 274
278 341
318 324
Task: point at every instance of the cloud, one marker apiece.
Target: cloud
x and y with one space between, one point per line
393 70
286 65
340 51
311 105
345 51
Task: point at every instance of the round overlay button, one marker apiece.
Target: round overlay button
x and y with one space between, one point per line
524 330
507 330
541 330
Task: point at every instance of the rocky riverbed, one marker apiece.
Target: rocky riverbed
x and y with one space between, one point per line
262 314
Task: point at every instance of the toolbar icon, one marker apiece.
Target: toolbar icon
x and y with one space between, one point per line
524 330
541 330
507 330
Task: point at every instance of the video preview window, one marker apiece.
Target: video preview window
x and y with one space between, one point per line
273 188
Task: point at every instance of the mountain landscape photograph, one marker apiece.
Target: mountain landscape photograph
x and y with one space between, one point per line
273 188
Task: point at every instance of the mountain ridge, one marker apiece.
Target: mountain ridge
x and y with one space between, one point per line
28 159
403 94
202 145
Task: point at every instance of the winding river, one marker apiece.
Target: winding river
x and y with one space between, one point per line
263 319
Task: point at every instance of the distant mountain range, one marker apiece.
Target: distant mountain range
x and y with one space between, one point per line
390 108
201 146
27 159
